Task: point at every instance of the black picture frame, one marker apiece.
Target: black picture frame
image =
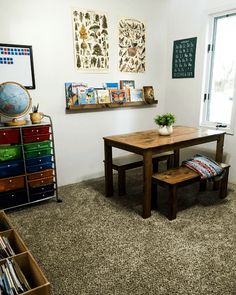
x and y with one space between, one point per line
16 64
183 62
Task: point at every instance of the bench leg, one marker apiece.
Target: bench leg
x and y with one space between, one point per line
155 166
121 182
224 184
170 162
154 197
203 185
172 202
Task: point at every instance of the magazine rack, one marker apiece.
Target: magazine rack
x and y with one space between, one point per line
38 283
103 106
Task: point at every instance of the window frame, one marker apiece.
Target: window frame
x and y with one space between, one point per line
207 82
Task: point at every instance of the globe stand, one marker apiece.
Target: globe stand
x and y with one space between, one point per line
15 122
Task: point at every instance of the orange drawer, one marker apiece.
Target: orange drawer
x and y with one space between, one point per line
11 183
44 173
41 181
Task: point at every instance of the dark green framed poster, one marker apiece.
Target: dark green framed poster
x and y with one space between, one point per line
183 63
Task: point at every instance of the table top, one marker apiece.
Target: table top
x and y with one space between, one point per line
151 139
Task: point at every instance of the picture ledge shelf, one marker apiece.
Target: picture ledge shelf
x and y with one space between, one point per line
109 105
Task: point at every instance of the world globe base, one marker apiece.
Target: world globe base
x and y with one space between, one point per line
15 122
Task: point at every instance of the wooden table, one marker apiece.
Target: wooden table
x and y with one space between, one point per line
147 143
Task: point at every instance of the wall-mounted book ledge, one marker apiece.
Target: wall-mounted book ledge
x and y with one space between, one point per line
103 106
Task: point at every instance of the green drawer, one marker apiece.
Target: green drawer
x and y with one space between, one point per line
10 153
37 153
37 145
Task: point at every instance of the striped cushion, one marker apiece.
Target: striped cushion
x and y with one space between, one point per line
206 167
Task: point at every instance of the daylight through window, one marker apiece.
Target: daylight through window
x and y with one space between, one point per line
219 98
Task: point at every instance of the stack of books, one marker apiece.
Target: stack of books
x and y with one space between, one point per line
5 248
12 280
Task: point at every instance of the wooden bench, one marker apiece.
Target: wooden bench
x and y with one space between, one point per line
180 176
131 161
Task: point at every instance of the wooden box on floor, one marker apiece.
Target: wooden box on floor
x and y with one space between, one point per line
38 283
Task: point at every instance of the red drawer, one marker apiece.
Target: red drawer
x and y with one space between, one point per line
36 130
37 137
8 136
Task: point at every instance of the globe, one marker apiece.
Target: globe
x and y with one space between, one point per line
15 102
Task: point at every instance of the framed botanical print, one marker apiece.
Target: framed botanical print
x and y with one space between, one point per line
90 34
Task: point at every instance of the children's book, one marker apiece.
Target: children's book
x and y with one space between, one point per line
86 96
118 96
103 96
136 95
71 98
127 85
148 93
74 91
113 85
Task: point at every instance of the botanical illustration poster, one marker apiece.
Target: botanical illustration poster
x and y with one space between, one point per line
131 45
91 40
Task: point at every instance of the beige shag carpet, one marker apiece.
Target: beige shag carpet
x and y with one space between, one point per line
89 244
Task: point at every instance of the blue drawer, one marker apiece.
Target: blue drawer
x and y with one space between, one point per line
40 167
38 160
13 198
11 168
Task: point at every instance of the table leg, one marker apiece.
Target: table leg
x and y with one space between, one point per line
219 148
176 158
147 183
219 155
108 170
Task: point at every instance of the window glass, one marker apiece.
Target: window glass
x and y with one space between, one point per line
222 76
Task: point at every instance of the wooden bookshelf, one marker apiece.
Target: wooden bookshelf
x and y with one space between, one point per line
37 281
102 106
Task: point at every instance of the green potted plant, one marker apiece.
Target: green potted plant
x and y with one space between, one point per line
165 123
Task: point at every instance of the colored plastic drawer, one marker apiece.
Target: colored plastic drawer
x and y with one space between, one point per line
41 196
37 145
38 153
42 188
35 130
10 153
41 181
13 198
36 175
36 138
35 168
11 168
38 160
9 136
12 183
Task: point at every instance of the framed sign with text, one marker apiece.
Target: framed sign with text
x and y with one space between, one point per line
183 63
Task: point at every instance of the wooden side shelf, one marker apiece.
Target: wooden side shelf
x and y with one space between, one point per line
38 283
110 105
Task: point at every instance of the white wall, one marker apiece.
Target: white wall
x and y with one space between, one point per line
189 18
47 26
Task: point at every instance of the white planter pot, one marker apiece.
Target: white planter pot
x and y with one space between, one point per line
165 130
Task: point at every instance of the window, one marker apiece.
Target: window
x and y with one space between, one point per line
220 90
